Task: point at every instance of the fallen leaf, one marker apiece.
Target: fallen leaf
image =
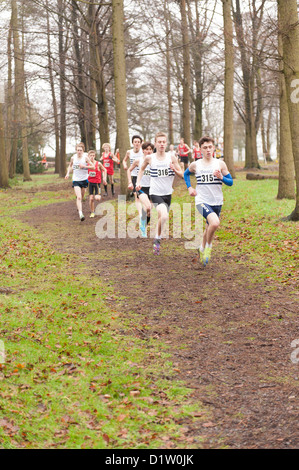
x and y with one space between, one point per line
121 418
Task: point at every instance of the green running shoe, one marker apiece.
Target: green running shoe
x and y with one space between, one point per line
207 255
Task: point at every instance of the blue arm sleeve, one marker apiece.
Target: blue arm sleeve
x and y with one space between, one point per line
187 178
227 179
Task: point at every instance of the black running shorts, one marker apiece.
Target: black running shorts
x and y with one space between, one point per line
166 200
94 189
81 184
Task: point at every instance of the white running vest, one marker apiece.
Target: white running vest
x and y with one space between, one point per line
78 173
133 157
209 188
161 176
146 178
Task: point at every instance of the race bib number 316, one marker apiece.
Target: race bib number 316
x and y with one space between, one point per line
162 171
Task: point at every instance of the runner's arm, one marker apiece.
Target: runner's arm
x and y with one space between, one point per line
191 169
89 166
146 161
176 167
70 168
134 164
224 175
104 171
125 161
115 159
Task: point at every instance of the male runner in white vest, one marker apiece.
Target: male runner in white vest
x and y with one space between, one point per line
163 168
210 174
79 164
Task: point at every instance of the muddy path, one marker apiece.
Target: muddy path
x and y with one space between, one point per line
229 338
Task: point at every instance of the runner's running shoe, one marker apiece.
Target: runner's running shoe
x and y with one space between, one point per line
82 217
156 247
207 255
200 255
142 226
92 215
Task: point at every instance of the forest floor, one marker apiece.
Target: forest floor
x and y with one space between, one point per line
228 330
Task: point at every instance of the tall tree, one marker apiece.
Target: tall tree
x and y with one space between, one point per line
168 74
53 92
78 72
97 75
289 30
228 87
20 89
186 74
250 62
3 162
286 182
122 127
62 86
10 148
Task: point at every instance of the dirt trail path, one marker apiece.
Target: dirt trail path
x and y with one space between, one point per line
230 339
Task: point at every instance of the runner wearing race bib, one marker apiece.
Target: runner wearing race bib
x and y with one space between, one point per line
79 164
94 181
143 193
134 154
163 168
210 175
108 158
196 151
182 151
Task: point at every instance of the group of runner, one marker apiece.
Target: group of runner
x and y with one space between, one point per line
151 171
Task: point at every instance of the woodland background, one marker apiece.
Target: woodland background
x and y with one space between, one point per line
98 72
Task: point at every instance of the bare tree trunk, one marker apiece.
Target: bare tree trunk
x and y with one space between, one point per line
62 145
286 187
3 162
198 66
122 127
20 89
251 158
97 74
54 101
263 135
228 88
15 131
78 74
168 77
12 100
91 130
90 89
9 101
186 75
268 135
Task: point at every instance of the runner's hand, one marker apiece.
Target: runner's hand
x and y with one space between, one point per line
130 186
192 191
218 174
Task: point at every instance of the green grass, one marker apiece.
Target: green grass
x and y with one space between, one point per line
75 375
28 195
